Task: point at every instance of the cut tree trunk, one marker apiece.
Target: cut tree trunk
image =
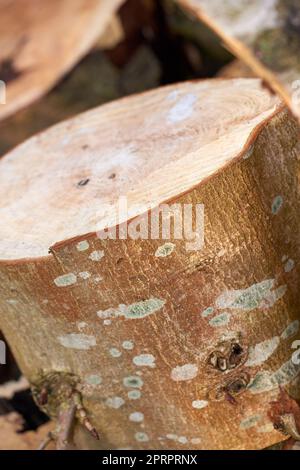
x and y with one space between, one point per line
158 342
42 40
236 69
263 33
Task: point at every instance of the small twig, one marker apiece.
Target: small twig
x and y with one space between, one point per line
83 417
44 444
65 424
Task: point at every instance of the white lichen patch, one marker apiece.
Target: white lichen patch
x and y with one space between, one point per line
182 440
286 373
265 428
185 372
83 245
136 310
199 404
277 205
144 360
141 437
165 250
266 381
262 382
128 345
261 295
289 265
250 422
65 280
220 320
207 312
96 255
77 341
84 275
291 330
196 440
172 437
134 394
274 296
183 109
93 379
259 353
107 322
114 352
114 402
136 417
133 381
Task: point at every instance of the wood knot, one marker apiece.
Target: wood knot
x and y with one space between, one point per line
227 355
230 389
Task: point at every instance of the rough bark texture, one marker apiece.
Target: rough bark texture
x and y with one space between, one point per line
169 348
263 33
41 41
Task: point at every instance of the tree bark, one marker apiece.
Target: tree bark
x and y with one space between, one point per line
159 346
262 33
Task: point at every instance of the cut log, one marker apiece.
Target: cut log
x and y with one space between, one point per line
264 34
41 41
236 69
159 341
93 82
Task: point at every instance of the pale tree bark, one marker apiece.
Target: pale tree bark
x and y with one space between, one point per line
41 41
263 33
150 343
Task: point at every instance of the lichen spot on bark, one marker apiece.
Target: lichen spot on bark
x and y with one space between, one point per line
199 404
136 310
260 295
96 255
77 341
185 372
250 422
141 437
277 204
165 250
220 320
144 360
65 280
93 379
261 352
133 381
291 330
207 312
128 344
115 402
83 245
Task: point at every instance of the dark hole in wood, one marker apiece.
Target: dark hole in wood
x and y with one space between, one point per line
83 182
112 176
